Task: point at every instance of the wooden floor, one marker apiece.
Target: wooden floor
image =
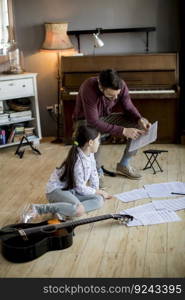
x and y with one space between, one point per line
101 249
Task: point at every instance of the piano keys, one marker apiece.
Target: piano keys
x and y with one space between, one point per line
134 92
152 80
143 92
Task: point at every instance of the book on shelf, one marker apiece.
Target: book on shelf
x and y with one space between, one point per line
16 114
11 136
4 118
17 131
17 137
12 116
19 116
20 119
29 131
19 128
2 137
1 107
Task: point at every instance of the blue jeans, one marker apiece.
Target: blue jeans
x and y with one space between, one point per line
66 202
121 120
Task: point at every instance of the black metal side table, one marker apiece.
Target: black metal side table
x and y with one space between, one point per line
152 158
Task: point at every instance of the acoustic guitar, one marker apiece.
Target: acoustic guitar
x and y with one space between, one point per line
27 241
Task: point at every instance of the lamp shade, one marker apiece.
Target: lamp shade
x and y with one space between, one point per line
56 37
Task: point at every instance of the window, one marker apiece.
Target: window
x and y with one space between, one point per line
4 23
6 27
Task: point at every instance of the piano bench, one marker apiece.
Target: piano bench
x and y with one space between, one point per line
151 156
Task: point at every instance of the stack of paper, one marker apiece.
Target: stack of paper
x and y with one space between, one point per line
132 195
158 211
171 204
147 214
145 139
159 190
156 190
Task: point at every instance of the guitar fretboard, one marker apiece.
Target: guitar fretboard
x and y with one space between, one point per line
73 224
88 220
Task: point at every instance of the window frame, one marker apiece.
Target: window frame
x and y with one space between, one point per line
4 58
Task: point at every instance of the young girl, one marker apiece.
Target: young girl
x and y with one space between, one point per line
73 188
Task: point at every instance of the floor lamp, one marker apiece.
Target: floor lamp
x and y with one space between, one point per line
56 39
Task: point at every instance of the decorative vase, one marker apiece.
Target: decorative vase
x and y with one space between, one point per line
14 59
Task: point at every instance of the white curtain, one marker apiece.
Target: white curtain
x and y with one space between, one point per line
3 25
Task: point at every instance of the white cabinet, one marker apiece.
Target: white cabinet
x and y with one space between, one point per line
16 87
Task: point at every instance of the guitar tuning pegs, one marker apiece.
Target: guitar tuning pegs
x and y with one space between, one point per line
120 221
125 219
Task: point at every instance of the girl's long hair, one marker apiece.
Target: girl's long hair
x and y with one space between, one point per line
82 135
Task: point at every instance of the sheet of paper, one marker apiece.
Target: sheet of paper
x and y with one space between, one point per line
147 214
134 222
137 210
132 195
146 139
159 190
159 216
170 204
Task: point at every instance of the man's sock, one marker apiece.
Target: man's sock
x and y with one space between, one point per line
125 161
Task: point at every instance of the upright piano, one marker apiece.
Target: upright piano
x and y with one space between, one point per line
151 78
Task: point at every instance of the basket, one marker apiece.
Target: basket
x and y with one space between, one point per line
19 105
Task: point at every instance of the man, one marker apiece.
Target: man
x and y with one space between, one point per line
94 104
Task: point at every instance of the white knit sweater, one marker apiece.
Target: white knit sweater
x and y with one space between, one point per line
84 172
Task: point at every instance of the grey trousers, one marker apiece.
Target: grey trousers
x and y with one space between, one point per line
115 119
66 202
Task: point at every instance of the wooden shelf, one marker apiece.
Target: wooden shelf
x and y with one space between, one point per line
77 33
21 120
34 139
17 86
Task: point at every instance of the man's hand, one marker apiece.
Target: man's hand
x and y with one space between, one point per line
133 133
144 124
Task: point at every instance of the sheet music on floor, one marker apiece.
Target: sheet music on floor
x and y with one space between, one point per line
132 195
147 214
165 189
140 209
146 139
170 204
158 217
156 190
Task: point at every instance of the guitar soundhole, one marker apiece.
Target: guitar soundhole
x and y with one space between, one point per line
55 232
50 229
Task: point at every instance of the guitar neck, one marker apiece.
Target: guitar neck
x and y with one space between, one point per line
89 220
18 230
73 224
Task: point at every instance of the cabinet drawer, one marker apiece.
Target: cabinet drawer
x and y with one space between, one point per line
10 89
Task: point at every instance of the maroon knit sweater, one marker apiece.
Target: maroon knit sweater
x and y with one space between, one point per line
91 104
